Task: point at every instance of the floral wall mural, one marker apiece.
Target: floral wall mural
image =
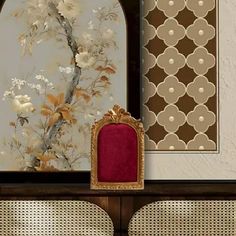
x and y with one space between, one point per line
63 64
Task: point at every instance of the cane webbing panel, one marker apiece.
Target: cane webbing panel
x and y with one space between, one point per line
185 218
53 218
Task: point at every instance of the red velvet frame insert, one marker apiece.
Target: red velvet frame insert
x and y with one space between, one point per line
117 153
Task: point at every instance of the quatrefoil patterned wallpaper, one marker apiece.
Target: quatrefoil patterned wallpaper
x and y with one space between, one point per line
180 75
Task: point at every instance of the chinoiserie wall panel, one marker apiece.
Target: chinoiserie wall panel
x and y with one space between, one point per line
37 73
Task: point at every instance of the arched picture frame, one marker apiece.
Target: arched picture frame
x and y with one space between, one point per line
130 71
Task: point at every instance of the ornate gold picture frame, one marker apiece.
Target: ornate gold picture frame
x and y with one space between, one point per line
117 152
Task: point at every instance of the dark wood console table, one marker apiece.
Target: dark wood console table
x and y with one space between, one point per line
121 205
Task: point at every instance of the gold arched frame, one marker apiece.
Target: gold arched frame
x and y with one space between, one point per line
117 115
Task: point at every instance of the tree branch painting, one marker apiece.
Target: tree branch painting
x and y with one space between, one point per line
65 24
51 129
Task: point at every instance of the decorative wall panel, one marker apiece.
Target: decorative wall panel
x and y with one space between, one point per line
63 64
195 218
180 102
53 218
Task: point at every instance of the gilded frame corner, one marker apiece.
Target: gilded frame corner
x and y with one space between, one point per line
114 116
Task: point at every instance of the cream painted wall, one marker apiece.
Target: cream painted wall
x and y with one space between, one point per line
220 165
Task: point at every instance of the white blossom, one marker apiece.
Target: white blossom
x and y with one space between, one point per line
108 34
61 69
50 85
45 81
66 70
88 39
22 42
42 4
45 25
39 41
90 25
42 78
17 83
69 8
85 60
37 87
36 23
21 104
8 94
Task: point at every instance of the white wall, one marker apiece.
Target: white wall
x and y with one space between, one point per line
223 164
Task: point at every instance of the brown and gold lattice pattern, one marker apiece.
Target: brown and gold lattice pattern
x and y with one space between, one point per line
180 75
